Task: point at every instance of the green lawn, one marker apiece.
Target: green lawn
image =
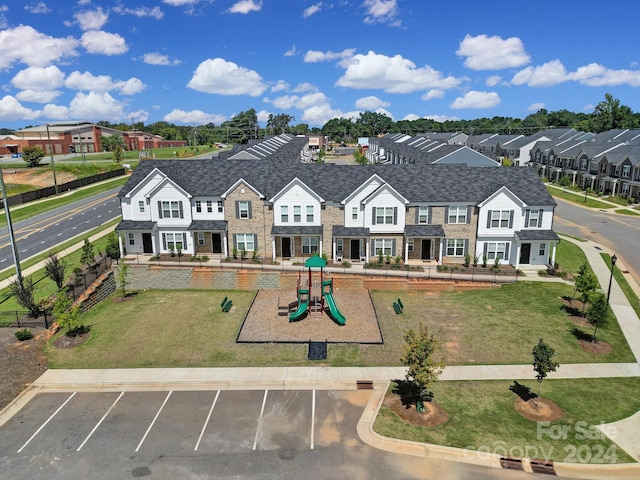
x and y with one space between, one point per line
482 417
577 197
168 328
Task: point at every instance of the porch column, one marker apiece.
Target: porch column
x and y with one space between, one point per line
225 248
615 184
517 262
406 250
440 252
366 249
553 253
120 246
320 247
334 253
273 248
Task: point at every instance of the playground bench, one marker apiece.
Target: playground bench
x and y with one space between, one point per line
401 304
224 300
397 308
227 306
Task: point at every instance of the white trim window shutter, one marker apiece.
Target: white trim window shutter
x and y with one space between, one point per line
526 218
164 241
249 208
541 211
237 208
373 247
393 247
507 247
429 215
488 218
180 207
373 215
469 207
235 241
446 214
184 240
395 215
486 250
510 218
159 209
466 246
417 215
255 242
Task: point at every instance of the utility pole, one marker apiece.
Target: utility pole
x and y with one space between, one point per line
53 169
12 239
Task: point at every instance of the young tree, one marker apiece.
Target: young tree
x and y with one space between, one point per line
584 268
88 255
55 269
118 154
423 371
543 363
113 247
586 284
65 313
598 314
25 295
123 277
33 155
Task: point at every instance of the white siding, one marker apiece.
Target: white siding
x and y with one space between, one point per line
501 202
356 201
205 215
166 194
297 195
385 198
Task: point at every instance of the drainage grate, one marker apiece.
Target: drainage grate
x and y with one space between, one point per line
542 466
511 463
364 384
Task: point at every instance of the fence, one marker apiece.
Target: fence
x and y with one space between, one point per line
22 319
63 187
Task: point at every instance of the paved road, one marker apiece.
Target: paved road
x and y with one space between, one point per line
41 232
259 434
618 233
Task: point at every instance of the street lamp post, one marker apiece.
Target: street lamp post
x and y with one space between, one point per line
613 264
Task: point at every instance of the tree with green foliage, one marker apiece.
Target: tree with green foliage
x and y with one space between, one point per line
123 277
111 142
277 124
564 181
33 155
88 256
113 246
360 158
65 313
543 363
118 155
598 314
54 267
25 295
585 283
609 115
320 156
418 351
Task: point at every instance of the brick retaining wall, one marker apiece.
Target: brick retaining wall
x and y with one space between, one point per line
104 286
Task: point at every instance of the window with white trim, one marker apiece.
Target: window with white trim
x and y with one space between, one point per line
132 239
410 244
455 247
309 213
384 215
354 213
200 238
297 213
245 241
309 245
171 209
457 214
174 241
625 189
542 250
141 206
209 206
383 246
284 213
534 216
497 250
500 218
243 208
198 206
626 170
220 206
423 215
339 245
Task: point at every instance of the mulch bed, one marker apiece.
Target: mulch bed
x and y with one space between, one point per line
433 416
69 342
546 410
599 347
263 324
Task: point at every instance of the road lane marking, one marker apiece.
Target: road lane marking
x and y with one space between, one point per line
48 420
264 402
204 427
101 420
153 421
313 415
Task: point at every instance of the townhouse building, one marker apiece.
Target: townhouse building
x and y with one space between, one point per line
282 209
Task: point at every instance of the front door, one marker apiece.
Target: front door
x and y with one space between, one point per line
525 253
286 247
355 249
425 252
216 243
147 243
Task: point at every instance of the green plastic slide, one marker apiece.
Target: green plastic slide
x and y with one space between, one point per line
301 312
337 316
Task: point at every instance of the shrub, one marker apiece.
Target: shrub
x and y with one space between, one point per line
346 264
24 334
484 261
467 260
78 331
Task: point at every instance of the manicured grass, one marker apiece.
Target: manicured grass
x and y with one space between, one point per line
570 256
482 417
474 327
624 285
627 212
577 197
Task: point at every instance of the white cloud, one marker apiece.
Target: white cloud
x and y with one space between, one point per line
441 118
592 75
226 78
194 116
550 73
392 74
104 43
300 102
291 53
56 112
179 3
381 11
38 96
493 80
313 9
263 116
91 19
305 87
11 109
138 116
26 45
370 103
492 53
103 83
279 86
37 8
475 99
411 117
155 58
314 56
140 12
38 78
246 6
96 106
433 93
534 107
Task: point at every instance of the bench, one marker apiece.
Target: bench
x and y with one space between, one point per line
396 308
401 304
227 306
224 300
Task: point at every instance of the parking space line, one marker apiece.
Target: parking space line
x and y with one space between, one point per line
206 422
48 420
313 415
153 421
264 402
101 420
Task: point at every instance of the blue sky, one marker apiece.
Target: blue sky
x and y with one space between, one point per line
200 61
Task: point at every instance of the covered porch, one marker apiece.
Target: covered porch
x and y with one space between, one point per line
210 237
535 247
295 241
423 244
350 243
137 237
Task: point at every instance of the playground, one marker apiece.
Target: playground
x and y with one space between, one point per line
316 311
